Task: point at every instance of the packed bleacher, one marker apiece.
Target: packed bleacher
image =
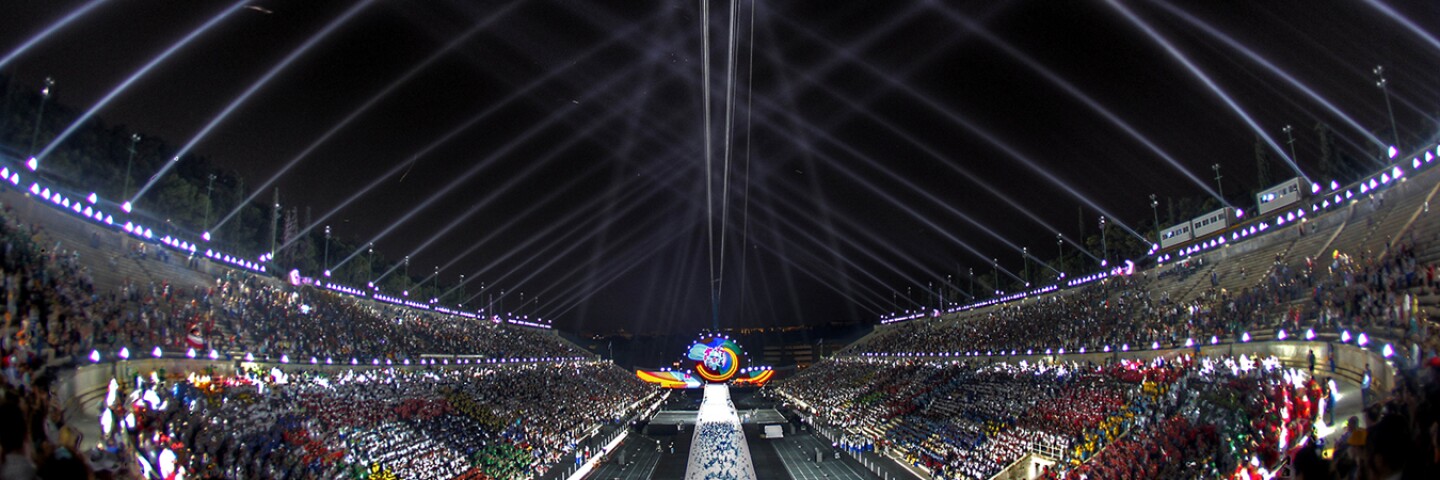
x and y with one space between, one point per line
61 314
1228 418
471 422
1132 419
498 422
1356 291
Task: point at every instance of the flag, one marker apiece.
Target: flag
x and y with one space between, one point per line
195 339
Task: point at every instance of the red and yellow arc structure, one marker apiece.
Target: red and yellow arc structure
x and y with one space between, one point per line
667 379
755 379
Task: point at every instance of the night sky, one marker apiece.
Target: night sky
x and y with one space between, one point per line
881 145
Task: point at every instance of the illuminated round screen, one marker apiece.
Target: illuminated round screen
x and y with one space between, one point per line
717 359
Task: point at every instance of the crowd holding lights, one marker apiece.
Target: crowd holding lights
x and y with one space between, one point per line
480 422
965 421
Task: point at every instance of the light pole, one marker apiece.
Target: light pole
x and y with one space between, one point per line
1383 85
972 284
995 265
1104 246
949 284
1060 256
1220 188
39 115
1290 139
461 287
1025 265
327 251
1155 210
371 267
134 139
209 189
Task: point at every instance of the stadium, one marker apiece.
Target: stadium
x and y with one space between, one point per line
719 240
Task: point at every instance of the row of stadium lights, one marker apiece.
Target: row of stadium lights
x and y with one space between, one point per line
1126 269
1328 200
90 210
523 320
1361 340
124 354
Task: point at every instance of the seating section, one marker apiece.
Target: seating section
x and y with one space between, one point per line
973 421
471 422
64 314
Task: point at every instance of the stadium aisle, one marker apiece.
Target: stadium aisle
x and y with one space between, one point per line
797 456
640 459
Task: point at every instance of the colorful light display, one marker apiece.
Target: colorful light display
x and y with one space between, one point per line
716 359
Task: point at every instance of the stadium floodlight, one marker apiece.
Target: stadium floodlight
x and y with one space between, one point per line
284 358
214 355
314 361
1245 337
156 352
1345 336
1154 345
1387 351
1309 334
1125 347
1362 340
1214 340
93 199
94 356
1281 334
124 353
1392 152
249 357
1189 342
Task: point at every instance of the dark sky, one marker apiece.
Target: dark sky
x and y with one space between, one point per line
882 139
